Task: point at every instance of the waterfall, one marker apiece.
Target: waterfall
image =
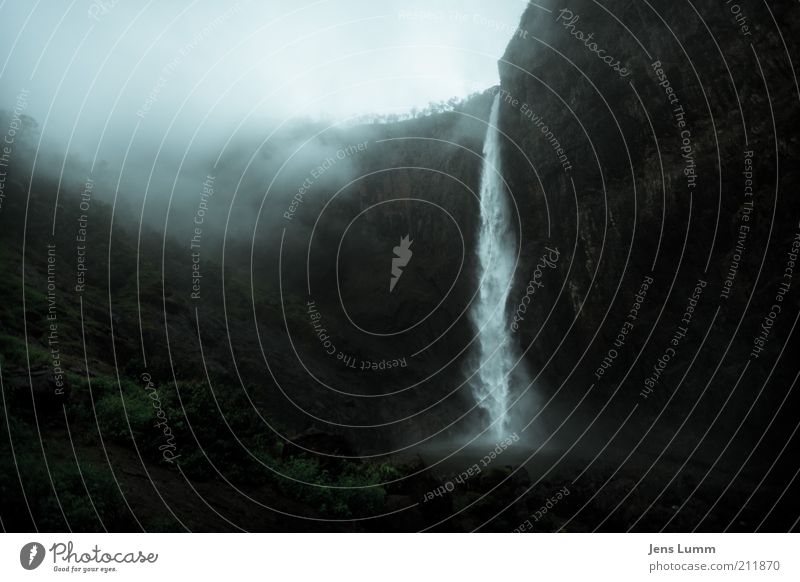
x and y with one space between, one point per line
489 315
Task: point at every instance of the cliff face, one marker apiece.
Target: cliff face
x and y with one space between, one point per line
652 147
417 179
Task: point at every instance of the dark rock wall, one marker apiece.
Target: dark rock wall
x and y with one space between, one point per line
634 212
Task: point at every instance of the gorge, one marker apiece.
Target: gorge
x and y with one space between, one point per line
432 320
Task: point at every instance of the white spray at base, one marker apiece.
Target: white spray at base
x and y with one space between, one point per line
489 315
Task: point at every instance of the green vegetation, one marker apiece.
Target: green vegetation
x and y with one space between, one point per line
88 497
341 494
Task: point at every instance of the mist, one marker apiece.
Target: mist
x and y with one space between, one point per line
149 100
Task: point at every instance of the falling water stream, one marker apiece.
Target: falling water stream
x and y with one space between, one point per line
489 316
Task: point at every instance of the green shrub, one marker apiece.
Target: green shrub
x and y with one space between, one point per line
120 414
13 353
341 495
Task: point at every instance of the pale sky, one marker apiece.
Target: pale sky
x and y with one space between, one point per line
109 67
